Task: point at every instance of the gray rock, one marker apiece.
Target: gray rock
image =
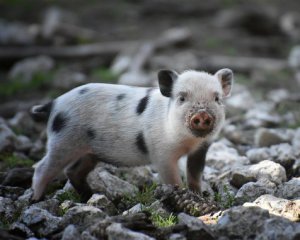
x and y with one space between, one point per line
290 189
278 206
23 123
7 138
85 235
18 177
53 18
121 63
241 222
135 209
180 61
252 190
240 102
18 228
81 216
112 186
294 57
177 236
27 68
17 33
36 219
71 233
38 150
260 117
102 202
11 192
136 78
282 154
51 205
238 135
116 231
289 23
196 228
296 143
279 229
267 137
257 155
66 79
26 197
264 170
278 95
222 157
23 143
158 207
296 168
67 204
138 176
7 209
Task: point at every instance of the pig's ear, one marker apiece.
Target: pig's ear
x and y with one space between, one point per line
166 79
225 77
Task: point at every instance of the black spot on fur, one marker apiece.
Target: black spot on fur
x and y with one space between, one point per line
83 90
142 105
121 96
91 133
140 142
59 122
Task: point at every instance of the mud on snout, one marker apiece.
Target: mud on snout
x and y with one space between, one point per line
201 122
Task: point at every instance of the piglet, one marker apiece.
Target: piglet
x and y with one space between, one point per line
131 126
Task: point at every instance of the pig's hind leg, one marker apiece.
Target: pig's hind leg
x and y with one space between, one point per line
58 156
78 172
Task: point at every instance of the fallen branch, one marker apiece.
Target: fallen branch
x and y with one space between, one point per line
241 64
105 49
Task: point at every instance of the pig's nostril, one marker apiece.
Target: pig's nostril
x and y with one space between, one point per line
197 121
207 122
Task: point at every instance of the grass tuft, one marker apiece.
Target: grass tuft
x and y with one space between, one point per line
226 201
144 196
160 221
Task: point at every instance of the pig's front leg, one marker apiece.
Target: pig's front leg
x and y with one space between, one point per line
195 166
169 172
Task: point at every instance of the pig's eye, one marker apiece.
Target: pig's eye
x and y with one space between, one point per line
181 99
217 99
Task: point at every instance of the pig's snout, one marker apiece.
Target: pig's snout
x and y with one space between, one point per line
201 121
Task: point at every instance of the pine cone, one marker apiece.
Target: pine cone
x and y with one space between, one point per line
183 200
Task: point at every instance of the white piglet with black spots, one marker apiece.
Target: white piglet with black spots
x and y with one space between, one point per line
131 126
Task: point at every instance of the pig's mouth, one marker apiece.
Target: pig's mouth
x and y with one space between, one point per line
200 123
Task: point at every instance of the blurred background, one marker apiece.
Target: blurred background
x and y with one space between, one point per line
49 47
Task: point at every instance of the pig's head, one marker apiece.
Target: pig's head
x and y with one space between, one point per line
196 100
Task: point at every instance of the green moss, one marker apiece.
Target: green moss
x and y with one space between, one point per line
16 85
11 161
105 75
71 195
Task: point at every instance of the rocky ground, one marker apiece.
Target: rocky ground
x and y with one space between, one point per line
252 176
